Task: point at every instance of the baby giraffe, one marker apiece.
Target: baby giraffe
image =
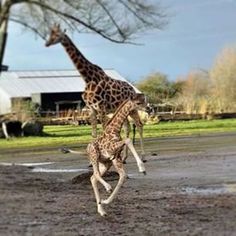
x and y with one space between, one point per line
105 151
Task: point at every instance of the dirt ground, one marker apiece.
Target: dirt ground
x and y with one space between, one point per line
189 189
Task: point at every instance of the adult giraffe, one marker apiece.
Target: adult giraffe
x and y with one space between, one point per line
102 94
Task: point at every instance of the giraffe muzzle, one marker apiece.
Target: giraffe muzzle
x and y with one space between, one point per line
47 44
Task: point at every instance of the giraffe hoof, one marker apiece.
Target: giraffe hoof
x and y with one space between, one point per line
142 168
144 172
103 214
64 150
101 210
109 190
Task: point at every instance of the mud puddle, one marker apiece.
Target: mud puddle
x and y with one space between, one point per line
26 164
59 170
184 193
211 190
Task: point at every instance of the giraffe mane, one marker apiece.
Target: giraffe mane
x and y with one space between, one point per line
117 111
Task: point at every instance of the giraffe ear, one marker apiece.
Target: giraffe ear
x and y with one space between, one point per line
56 26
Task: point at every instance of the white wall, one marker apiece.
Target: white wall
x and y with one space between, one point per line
5 103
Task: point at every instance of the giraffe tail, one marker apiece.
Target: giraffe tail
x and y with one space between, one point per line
66 150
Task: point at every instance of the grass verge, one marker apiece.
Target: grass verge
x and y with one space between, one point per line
71 135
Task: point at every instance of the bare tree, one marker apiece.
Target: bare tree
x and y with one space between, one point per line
223 78
194 97
116 20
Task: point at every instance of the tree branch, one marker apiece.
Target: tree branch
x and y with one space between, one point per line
147 9
92 28
86 25
111 17
28 26
115 29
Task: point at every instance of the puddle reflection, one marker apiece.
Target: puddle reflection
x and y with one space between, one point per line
60 170
220 189
26 164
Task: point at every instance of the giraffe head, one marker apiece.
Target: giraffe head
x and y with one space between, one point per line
139 100
56 35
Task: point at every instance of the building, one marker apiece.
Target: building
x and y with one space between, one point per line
51 90
4 68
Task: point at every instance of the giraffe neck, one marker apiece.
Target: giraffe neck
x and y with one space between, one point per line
88 70
115 124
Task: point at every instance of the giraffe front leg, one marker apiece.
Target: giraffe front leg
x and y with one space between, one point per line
127 132
138 123
102 117
93 120
140 131
140 163
118 164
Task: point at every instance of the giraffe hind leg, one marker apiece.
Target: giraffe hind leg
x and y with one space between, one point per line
94 160
94 181
118 164
99 178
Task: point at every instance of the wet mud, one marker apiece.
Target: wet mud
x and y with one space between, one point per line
189 189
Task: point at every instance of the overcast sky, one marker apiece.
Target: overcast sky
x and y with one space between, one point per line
197 32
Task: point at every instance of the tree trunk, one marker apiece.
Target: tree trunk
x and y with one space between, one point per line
3 39
4 10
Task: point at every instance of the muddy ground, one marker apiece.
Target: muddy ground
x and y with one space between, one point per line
189 189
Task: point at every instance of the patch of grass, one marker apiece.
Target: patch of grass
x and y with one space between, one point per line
68 135
189 127
55 135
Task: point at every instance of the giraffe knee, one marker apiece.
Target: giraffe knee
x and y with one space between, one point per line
92 179
127 141
123 176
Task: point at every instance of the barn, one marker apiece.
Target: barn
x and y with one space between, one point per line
51 90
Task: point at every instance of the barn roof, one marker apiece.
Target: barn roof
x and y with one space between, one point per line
26 83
